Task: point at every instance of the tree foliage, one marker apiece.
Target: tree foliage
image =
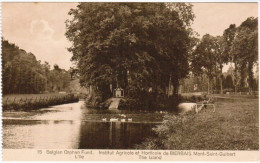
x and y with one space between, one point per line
244 49
135 46
23 73
238 45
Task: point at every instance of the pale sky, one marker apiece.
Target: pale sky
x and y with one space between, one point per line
39 27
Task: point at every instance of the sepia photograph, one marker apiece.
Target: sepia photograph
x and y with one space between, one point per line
130 76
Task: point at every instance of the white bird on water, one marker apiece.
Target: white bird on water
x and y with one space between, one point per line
113 119
123 115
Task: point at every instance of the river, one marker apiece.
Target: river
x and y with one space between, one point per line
74 126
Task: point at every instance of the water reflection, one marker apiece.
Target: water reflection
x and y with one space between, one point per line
40 134
73 126
113 135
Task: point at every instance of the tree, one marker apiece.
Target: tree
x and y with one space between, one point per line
228 38
228 82
245 49
23 73
136 46
221 58
204 59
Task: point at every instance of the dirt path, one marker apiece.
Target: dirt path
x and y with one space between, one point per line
114 104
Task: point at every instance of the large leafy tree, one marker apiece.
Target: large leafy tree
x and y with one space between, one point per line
204 58
238 46
221 58
245 49
135 46
228 38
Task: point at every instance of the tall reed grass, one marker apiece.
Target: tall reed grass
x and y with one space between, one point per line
37 103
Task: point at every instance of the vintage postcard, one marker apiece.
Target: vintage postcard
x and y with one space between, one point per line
130 81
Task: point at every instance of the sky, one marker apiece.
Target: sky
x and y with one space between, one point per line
39 28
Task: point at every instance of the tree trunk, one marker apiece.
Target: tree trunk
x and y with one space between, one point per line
250 77
175 87
117 81
235 78
170 80
221 87
208 86
211 86
221 80
242 75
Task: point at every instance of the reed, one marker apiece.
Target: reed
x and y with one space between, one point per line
32 103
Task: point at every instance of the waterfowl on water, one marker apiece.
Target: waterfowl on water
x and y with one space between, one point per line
123 115
113 119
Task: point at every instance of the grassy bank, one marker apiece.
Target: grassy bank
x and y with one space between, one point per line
35 101
233 126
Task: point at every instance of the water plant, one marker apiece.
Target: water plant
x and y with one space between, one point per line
37 103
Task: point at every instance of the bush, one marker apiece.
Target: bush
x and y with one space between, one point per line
150 101
192 98
168 133
129 104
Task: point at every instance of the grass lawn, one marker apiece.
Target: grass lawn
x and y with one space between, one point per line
233 126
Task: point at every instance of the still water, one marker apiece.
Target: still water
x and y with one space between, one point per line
75 126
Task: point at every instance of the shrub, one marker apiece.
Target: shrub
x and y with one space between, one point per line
169 132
